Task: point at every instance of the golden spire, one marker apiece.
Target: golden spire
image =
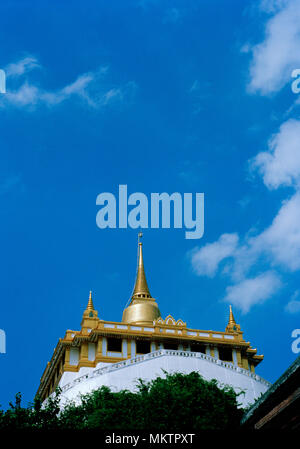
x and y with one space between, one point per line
231 321
143 309
232 326
141 289
90 315
90 305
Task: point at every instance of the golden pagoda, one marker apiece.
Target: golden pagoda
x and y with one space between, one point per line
101 347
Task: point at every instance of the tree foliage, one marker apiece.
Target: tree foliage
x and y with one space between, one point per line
176 401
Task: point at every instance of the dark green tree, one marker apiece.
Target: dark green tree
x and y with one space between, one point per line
176 401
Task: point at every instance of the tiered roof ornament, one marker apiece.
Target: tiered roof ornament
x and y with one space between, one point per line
232 326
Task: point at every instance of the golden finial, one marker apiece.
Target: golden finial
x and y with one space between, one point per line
232 326
141 288
90 305
231 317
90 313
143 309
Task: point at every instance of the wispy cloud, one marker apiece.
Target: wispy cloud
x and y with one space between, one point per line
22 66
89 88
249 292
280 165
281 240
277 247
293 306
255 263
207 259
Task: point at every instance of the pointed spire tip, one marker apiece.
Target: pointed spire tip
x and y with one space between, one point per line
90 305
141 287
231 317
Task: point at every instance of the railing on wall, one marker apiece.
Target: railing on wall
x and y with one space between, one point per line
160 353
173 329
157 329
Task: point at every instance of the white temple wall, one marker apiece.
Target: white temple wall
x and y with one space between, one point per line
126 378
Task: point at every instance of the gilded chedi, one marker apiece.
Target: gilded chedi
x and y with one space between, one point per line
142 345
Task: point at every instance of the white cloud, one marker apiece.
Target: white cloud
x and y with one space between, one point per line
253 291
21 67
275 58
25 95
276 246
88 87
112 94
280 165
206 260
281 240
293 306
79 86
31 95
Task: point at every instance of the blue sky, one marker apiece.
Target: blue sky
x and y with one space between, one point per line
164 96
